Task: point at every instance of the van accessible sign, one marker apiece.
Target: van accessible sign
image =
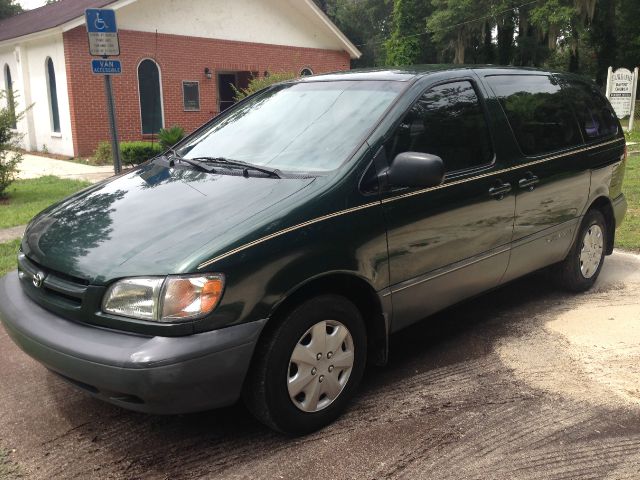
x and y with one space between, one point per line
106 67
102 31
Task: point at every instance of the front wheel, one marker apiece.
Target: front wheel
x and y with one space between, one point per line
580 270
308 367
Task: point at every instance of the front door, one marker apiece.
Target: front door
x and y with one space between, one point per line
226 90
452 241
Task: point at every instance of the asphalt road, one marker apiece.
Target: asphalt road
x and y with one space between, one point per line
525 382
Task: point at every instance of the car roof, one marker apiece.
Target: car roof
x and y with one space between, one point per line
408 73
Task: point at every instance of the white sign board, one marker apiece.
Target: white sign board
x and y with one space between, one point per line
103 32
621 92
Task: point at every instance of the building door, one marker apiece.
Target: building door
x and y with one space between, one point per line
226 92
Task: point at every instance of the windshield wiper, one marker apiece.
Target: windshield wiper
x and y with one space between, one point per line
272 172
193 162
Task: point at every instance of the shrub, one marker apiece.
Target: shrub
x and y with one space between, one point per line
134 153
102 155
170 136
258 83
10 157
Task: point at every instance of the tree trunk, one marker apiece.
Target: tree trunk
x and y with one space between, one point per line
460 45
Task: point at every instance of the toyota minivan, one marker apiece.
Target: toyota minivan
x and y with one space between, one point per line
270 254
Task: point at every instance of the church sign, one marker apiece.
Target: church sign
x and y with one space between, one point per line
621 92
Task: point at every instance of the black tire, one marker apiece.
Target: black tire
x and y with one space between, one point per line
266 391
569 274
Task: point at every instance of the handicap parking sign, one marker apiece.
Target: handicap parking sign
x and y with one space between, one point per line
103 32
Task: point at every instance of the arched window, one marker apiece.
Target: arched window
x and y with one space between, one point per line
54 112
306 72
150 96
8 88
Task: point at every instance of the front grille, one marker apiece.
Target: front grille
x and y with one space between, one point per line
56 286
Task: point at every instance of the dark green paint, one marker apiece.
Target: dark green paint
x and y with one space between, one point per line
432 249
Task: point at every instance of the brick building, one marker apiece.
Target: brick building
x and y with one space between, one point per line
179 60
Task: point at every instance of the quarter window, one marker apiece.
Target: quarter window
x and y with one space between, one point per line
539 117
594 113
54 111
150 96
447 121
8 86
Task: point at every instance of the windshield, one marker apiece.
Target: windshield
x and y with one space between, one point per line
296 127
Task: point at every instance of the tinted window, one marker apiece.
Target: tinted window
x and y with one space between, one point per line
191 96
150 100
540 118
310 126
595 116
447 121
53 96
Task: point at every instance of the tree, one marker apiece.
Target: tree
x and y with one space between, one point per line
9 8
10 156
409 42
454 25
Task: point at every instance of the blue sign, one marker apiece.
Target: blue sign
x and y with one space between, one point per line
101 20
106 67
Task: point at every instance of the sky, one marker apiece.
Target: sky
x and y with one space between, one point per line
29 4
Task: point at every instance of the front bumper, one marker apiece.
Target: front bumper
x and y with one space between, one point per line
164 375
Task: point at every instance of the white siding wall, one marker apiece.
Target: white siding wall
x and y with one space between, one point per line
37 53
8 57
28 60
280 22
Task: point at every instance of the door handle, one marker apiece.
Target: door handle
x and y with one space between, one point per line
529 182
500 190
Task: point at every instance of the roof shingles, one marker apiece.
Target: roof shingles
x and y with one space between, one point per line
46 17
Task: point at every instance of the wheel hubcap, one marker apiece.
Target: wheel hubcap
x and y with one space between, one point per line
320 366
591 253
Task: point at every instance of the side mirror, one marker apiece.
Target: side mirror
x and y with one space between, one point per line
414 169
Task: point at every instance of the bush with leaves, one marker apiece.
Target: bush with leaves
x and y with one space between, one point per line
134 153
170 136
10 156
131 153
258 83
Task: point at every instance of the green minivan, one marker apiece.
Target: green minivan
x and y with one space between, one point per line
271 253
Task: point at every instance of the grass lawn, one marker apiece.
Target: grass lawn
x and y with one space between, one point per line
628 235
28 197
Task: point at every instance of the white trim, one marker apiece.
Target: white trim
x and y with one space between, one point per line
56 135
140 98
349 47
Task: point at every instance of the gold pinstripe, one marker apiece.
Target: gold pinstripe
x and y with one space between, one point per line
389 200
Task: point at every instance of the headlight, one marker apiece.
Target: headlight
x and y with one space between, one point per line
164 299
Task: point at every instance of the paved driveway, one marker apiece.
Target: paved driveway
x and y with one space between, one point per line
525 382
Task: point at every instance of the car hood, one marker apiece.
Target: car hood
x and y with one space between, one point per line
152 220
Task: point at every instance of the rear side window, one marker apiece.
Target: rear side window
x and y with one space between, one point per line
595 116
541 119
447 121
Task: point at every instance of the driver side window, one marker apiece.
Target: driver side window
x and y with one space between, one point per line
447 121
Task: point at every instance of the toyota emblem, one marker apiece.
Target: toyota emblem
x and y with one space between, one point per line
38 278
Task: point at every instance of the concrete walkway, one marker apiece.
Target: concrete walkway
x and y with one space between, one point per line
34 166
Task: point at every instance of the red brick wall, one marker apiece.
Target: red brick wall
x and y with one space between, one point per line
180 58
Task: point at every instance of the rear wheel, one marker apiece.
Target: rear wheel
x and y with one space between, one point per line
580 270
308 367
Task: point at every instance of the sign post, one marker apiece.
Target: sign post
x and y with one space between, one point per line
102 31
621 92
